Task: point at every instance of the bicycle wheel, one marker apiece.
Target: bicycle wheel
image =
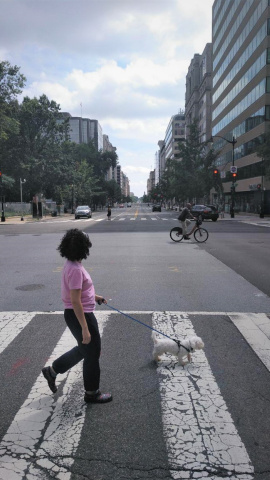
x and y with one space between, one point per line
201 235
176 234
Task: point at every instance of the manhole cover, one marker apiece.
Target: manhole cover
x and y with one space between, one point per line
30 288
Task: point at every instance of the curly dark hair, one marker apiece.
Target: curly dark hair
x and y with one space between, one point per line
75 245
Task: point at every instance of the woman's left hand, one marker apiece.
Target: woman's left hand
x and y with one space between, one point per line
100 299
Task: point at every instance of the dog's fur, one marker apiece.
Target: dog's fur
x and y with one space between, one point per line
170 346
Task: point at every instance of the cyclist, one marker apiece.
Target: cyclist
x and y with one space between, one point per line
184 219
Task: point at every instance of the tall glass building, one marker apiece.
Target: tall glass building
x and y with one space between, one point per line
241 97
84 130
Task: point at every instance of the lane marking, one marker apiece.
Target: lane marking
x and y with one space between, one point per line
42 440
202 440
255 328
11 324
194 391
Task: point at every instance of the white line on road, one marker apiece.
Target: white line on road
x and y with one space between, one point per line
11 324
255 328
202 441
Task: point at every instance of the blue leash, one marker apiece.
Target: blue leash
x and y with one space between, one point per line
151 328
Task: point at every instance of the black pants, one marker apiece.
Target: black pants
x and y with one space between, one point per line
89 353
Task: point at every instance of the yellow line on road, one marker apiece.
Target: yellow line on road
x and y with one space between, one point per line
136 213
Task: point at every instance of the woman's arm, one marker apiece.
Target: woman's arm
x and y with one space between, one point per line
75 296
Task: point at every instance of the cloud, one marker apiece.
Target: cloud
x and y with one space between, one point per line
124 60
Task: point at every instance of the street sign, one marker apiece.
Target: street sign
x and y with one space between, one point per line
233 169
222 174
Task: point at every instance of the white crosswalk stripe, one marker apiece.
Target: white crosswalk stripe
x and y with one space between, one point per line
198 428
189 416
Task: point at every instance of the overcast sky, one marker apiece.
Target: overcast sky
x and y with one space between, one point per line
125 61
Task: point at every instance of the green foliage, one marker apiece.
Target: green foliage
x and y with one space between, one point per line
264 153
35 145
11 84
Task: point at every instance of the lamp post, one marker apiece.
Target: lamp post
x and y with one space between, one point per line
21 184
3 219
262 191
232 142
72 199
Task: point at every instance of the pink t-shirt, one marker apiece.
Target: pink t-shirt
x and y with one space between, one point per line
75 277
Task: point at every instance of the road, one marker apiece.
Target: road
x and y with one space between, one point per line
208 420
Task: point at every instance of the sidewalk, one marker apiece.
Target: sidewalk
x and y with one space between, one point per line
247 217
29 219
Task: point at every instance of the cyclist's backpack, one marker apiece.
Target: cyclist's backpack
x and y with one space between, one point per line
182 216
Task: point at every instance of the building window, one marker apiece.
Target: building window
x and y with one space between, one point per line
267 111
267 84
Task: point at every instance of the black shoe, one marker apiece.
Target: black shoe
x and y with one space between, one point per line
186 237
50 379
98 397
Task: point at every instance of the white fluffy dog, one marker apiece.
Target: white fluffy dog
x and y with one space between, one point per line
181 350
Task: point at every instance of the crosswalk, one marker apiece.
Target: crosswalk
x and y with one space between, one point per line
202 440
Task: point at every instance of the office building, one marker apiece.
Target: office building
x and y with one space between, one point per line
84 130
198 93
168 148
241 98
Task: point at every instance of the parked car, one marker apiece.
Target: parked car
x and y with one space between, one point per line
121 205
156 207
83 211
206 212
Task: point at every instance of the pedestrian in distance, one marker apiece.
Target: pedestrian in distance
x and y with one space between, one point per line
79 298
184 217
109 213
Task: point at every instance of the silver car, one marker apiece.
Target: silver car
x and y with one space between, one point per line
83 211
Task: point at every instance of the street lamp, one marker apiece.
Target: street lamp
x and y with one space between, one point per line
3 219
232 142
72 199
262 190
21 184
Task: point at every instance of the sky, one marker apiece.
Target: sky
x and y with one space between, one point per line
121 62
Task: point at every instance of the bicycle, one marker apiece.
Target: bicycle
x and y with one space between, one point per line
200 234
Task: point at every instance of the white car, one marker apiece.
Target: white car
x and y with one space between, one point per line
83 211
129 204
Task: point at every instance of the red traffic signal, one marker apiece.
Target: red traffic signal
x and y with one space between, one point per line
216 171
0 177
234 175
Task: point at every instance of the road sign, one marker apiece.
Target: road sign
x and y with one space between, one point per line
233 169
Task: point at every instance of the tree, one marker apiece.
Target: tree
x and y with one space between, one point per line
11 85
35 151
189 175
263 152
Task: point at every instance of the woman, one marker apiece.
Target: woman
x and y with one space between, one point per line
78 295
109 213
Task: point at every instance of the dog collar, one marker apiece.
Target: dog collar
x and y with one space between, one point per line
189 350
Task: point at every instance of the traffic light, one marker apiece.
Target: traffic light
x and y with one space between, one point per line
234 175
259 186
0 177
215 172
